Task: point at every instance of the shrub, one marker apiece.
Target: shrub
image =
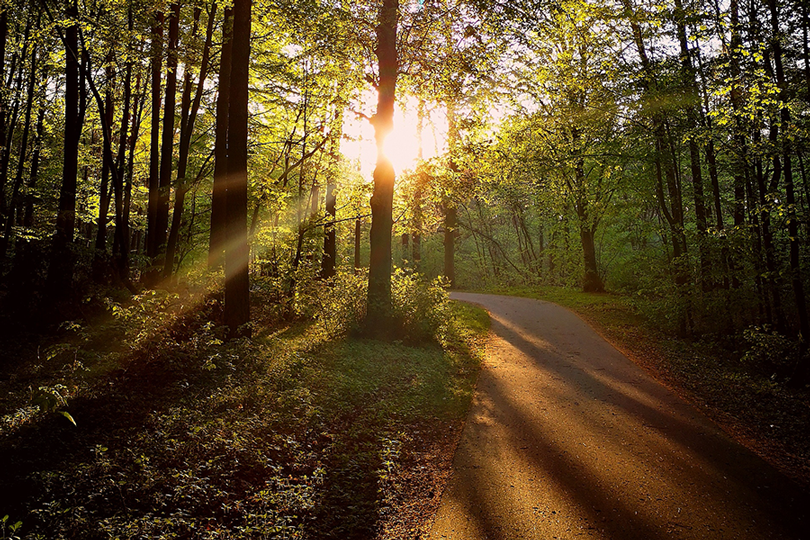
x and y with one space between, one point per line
420 308
769 352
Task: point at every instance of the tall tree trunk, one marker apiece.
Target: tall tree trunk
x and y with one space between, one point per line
358 233
665 167
28 218
771 279
416 200
188 118
382 222
60 271
237 284
138 107
803 364
16 202
3 93
330 204
450 224
104 190
218 205
167 142
121 241
154 146
8 133
693 117
591 282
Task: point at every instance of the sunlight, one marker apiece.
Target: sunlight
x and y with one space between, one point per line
402 145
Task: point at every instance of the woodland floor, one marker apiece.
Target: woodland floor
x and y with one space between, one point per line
293 434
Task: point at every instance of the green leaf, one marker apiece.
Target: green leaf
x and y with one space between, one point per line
67 415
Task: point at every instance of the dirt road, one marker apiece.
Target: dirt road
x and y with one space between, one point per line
567 438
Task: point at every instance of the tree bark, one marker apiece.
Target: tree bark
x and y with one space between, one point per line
803 363
121 241
60 271
104 189
189 118
28 217
358 232
218 204
16 203
8 133
450 224
237 284
378 321
154 147
693 118
167 142
330 204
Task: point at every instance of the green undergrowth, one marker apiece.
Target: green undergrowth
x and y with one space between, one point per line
300 432
733 378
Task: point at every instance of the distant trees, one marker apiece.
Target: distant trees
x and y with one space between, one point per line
656 148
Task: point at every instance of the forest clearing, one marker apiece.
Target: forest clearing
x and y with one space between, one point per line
229 232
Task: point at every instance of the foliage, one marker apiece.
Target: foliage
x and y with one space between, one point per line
769 352
8 531
302 432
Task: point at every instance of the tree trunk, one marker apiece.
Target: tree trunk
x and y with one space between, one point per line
188 119
218 205
104 190
28 218
237 284
330 206
693 116
358 234
3 95
121 241
378 318
8 134
60 272
450 223
167 143
154 147
803 364
16 203
591 282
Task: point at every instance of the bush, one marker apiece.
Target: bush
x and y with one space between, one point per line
769 352
338 305
420 308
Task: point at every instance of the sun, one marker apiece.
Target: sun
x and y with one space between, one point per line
402 145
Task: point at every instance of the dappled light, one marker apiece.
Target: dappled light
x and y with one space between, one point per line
230 232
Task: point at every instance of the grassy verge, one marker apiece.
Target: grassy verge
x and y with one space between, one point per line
752 407
293 434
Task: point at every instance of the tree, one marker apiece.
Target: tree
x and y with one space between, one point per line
237 282
60 272
378 317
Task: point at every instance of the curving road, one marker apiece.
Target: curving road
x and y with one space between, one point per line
567 438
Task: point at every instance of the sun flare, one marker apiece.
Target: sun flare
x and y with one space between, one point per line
402 145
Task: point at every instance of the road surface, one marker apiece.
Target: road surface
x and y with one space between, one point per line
567 438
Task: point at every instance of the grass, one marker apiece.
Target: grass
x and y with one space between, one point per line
293 434
742 397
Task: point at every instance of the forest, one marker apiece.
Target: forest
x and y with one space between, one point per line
193 190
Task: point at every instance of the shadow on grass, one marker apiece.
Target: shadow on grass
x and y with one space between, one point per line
192 439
